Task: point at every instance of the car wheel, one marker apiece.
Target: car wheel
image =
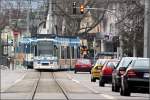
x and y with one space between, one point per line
90 72
112 87
93 79
101 82
115 87
124 90
75 71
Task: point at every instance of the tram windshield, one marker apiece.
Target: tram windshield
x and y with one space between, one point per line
45 48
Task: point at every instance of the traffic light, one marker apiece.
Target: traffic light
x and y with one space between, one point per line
81 8
74 7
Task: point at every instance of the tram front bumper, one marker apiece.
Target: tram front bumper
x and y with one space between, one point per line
46 67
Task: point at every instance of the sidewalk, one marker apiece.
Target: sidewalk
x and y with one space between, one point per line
10 77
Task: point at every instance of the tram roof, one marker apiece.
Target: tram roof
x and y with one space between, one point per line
64 41
44 39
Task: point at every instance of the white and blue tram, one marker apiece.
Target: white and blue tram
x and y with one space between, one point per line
45 55
49 52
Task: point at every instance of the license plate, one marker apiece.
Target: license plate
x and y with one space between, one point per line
146 75
45 63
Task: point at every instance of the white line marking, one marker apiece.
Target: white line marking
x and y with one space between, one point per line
75 81
93 90
107 96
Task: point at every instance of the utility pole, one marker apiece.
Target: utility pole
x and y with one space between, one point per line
0 48
0 6
147 29
94 46
28 18
50 17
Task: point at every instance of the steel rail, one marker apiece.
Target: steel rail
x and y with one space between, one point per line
61 87
35 87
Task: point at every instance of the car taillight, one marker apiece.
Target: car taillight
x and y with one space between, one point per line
77 65
131 73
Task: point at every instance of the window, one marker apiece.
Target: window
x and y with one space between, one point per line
143 63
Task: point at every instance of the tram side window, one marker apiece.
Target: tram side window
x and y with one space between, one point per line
35 51
72 48
68 52
62 53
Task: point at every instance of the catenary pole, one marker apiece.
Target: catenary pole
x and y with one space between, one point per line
147 29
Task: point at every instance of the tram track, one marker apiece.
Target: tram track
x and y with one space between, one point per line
36 86
60 86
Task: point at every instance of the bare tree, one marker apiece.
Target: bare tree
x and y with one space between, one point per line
131 26
64 11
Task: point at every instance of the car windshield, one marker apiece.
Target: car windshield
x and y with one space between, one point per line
142 63
84 61
125 63
112 63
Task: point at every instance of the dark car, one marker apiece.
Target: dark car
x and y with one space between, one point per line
120 70
136 77
83 65
106 72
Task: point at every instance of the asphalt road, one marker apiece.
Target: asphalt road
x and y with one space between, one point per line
62 85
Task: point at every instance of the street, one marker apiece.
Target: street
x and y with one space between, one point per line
74 49
65 85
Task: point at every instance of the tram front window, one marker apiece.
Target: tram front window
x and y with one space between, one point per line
45 48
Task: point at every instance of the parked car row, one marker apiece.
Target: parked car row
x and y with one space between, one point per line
129 74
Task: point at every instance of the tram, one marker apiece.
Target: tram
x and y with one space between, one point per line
45 55
50 51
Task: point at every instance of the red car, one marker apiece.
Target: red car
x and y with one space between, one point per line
83 65
106 73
